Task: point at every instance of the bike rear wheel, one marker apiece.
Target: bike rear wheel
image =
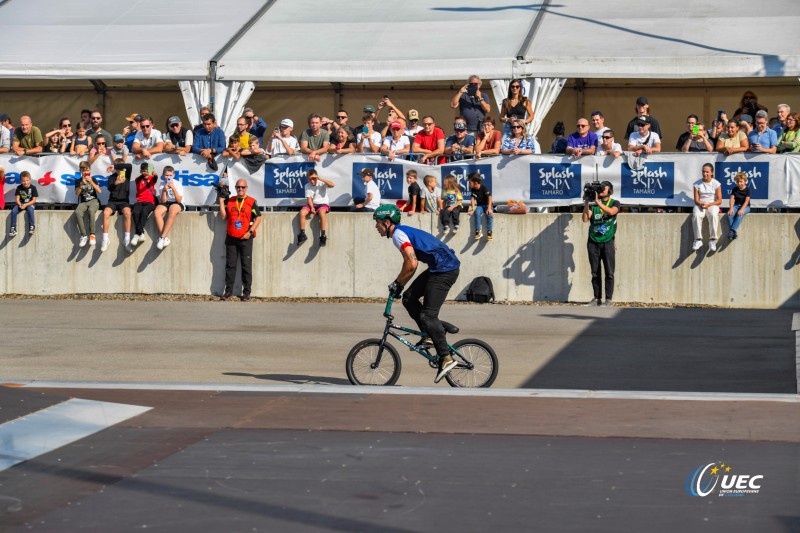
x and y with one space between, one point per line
477 366
364 368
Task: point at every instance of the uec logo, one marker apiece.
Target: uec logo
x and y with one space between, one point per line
705 479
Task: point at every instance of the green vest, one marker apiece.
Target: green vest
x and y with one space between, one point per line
602 227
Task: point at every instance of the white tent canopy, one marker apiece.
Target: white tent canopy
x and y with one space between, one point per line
413 40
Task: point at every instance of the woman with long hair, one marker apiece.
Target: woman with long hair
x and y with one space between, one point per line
789 140
516 106
518 143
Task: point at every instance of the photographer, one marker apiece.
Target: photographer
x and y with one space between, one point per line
749 105
472 104
601 213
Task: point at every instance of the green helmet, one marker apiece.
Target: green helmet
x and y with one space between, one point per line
388 212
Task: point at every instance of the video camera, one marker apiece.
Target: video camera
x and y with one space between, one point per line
589 190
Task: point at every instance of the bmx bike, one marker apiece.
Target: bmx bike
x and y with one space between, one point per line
376 362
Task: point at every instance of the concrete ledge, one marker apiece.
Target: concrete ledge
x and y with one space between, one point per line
538 257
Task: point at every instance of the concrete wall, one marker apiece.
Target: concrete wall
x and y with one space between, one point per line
539 257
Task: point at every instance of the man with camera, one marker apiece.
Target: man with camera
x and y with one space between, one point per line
600 211
472 104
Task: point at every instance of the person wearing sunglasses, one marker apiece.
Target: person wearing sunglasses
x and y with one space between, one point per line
341 123
608 146
644 141
582 142
516 106
177 139
414 126
96 128
472 104
130 131
429 142
148 140
243 217
256 125
518 143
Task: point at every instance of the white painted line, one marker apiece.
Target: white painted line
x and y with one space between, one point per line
434 391
43 431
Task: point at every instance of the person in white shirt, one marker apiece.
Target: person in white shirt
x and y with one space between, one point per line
607 145
413 124
599 123
317 203
373 197
368 140
707 199
148 140
283 142
396 143
644 141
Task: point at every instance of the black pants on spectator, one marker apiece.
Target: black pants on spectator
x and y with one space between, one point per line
432 288
238 251
602 252
449 218
141 210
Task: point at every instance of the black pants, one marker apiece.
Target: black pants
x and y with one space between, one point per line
141 210
432 288
449 218
602 252
238 250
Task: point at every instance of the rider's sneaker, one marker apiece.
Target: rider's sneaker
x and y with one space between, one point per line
425 342
448 363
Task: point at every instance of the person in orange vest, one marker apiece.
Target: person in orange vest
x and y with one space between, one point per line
243 218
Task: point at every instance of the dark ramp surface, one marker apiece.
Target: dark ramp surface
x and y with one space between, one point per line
289 480
16 402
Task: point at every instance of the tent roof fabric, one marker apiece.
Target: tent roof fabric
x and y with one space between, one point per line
101 39
353 41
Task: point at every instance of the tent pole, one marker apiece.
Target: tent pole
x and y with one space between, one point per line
212 85
101 89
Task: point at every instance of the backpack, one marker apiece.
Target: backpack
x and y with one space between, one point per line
480 290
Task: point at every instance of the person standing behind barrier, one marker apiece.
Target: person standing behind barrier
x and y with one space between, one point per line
740 204
368 140
472 104
489 140
460 144
145 202
170 204
518 143
644 141
601 214
583 141
314 141
789 141
87 191
515 107
763 139
27 138
642 108
429 142
733 141
283 142
480 203
25 199
209 141
452 200
243 218
707 199
342 143
396 143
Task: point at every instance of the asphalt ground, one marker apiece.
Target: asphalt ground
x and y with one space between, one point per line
301 452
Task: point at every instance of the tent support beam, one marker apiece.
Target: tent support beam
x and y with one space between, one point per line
101 89
580 101
338 93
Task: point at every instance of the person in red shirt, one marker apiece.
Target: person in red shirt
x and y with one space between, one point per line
243 217
145 201
429 142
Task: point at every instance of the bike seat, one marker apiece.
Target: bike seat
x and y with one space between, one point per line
449 328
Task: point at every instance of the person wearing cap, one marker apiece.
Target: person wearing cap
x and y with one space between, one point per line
148 140
130 131
368 140
370 110
582 142
644 140
177 139
283 142
396 143
314 141
27 138
642 108
413 124
460 143
372 200
472 104
429 142
96 128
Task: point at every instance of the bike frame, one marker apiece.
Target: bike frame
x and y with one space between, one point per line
389 331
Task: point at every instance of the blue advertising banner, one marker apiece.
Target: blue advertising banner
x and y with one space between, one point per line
285 180
462 171
653 180
555 181
388 177
757 177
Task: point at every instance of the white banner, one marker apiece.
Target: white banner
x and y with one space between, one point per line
541 181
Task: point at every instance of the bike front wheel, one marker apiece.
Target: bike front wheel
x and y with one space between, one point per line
477 364
367 364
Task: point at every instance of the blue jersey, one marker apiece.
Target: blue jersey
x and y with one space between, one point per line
428 249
